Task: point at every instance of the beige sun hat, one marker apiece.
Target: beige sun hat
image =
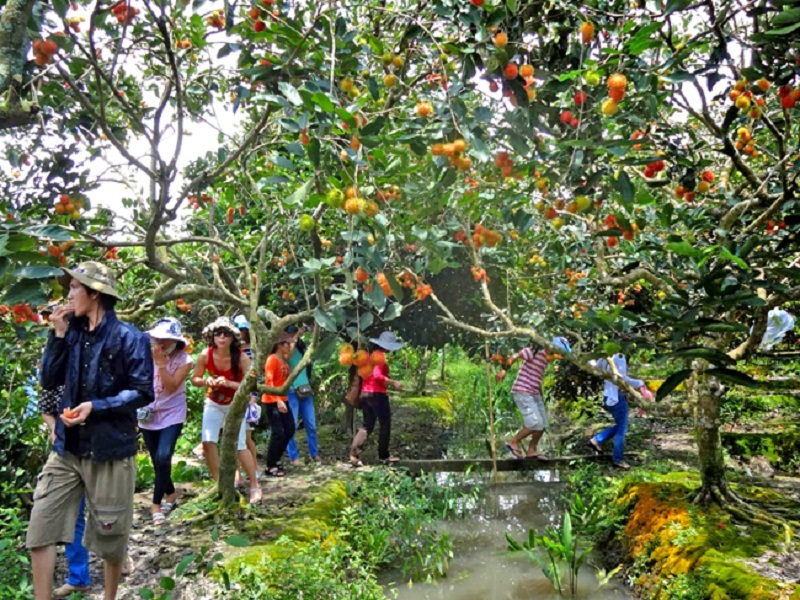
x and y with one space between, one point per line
221 323
96 276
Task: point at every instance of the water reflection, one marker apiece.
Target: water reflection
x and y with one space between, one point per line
481 568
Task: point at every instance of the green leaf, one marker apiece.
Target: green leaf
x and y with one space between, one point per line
290 125
365 321
782 30
51 232
61 7
683 249
300 194
147 593
185 562
625 186
38 272
787 17
167 583
290 92
726 254
393 311
27 290
671 382
237 541
709 354
323 101
733 376
373 127
324 320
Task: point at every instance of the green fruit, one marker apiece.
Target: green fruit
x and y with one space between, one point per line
592 79
583 202
334 198
387 58
307 223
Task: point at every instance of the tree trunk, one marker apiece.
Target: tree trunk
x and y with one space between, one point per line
13 56
704 394
422 373
229 442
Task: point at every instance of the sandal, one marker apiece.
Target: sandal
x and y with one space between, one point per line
391 460
517 454
168 507
595 446
159 518
275 472
622 465
255 495
356 463
539 457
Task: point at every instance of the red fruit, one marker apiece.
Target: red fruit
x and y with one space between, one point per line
574 122
566 116
580 98
649 171
511 71
627 235
550 213
611 221
259 26
788 101
493 86
611 241
242 209
783 91
708 176
49 47
478 3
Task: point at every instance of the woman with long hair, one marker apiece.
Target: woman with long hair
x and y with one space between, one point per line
162 421
226 365
281 422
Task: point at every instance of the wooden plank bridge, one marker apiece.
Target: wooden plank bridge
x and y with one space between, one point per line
461 465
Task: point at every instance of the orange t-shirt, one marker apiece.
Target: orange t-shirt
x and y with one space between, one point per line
276 372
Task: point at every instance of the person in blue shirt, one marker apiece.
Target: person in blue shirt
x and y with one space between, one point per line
301 402
615 402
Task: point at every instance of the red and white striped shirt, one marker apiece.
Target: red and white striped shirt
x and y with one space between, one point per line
531 372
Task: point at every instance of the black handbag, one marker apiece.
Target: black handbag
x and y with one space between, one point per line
304 391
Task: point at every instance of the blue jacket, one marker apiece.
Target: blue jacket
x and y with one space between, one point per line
610 390
120 381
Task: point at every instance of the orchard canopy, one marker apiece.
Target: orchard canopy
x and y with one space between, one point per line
598 169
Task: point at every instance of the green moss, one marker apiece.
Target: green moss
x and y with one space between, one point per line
736 579
441 406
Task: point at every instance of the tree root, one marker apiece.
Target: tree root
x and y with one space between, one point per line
740 508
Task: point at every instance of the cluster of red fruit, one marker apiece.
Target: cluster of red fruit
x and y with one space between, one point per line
59 251
483 236
182 305
216 19
111 254
616 92
501 360
390 193
68 206
125 13
688 194
43 51
231 213
505 163
424 109
286 294
183 44
573 277
654 167
283 259
355 205
195 201
627 234
789 97
257 15
363 360
745 142
478 274
21 313
455 152
773 228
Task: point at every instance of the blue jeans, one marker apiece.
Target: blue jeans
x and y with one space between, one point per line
77 555
161 445
620 413
305 407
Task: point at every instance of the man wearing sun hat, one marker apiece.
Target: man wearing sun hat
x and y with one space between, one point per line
106 368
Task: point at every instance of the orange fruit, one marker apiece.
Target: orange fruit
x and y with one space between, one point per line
500 40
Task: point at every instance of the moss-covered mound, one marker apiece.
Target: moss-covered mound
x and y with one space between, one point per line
682 551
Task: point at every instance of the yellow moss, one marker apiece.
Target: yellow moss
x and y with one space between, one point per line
672 539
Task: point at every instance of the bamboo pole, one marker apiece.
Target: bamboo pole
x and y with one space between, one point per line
491 410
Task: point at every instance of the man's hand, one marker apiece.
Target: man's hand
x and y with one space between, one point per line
77 415
500 375
646 393
282 406
59 319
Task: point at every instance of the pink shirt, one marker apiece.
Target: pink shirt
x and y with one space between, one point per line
376 383
169 409
529 378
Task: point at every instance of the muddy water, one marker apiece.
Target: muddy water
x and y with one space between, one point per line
481 569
